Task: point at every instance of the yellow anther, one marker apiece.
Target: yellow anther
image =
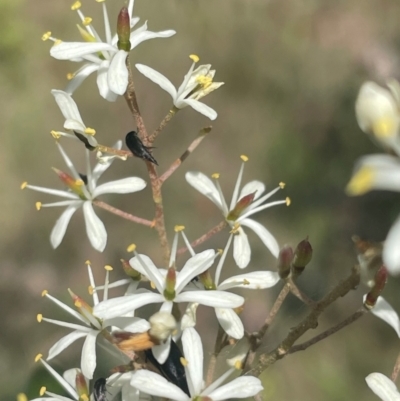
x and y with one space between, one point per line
46 36
246 282
108 268
77 5
90 290
39 317
38 357
131 248
288 201
84 397
24 184
282 185
195 58
244 158
100 1
22 397
78 303
204 81
220 251
88 263
384 127
42 390
183 361
87 21
179 228
152 285
38 205
235 228
55 134
44 293
215 176
90 131
361 182
238 365
70 76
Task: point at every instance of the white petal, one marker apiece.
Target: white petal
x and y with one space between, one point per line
384 311
205 186
80 76
71 50
64 343
201 108
132 324
144 265
265 236
88 358
146 35
161 352
95 229
154 384
102 82
58 232
253 281
118 73
100 168
242 387
241 249
196 265
68 108
251 187
391 249
383 387
193 351
123 186
216 299
230 322
157 78
121 305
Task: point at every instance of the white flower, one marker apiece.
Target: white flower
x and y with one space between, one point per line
154 384
89 327
102 56
377 112
83 190
196 84
380 172
383 387
244 204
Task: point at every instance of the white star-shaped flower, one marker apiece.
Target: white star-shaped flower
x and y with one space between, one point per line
100 55
156 385
196 84
383 387
89 327
381 172
82 191
244 204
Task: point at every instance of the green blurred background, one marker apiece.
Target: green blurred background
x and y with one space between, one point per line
292 69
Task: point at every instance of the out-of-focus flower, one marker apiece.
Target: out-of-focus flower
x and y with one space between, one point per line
196 84
243 205
377 112
103 56
154 384
82 191
89 327
383 387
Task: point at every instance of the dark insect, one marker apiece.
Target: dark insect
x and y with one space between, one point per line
135 145
100 390
83 139
172 369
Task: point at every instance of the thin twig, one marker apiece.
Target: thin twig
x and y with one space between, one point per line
299 294
355 316
121 213
396 369
185 154
163 124
219 227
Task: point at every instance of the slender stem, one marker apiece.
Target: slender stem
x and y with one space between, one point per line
185 154
355 316
204 237
124 215
163 124
396 369
296 292
310 322
118 152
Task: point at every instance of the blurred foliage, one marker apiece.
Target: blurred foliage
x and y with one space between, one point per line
292 69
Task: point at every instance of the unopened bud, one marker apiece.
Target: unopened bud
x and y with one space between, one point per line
380 282
124 30
130 271
285 259
163 324
242 204
302 256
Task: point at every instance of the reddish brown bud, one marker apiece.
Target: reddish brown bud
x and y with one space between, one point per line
124 30
285 259
302 256
380 282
